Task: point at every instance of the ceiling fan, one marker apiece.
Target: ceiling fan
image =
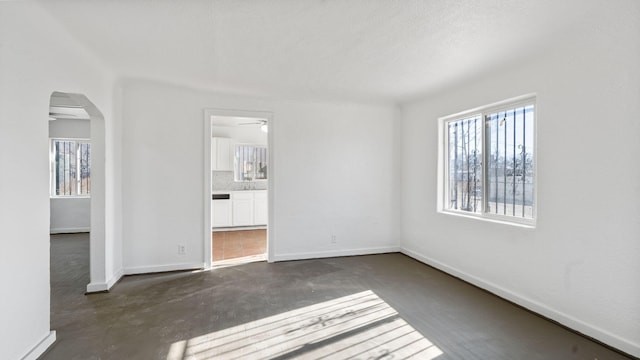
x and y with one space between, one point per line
67 112
261 122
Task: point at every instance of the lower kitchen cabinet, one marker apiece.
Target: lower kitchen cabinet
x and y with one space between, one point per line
242 204
240 208
260 208
221 213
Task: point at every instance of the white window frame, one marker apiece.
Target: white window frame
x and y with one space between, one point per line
443 161
52 168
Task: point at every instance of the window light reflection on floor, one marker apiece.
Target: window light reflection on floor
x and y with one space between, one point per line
358 326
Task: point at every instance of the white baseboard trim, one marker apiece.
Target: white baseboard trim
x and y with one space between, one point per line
105 286
115 278
335 253
41 347
97 287
69 230
162 268
622 344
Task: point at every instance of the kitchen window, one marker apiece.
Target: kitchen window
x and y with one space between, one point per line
488 162
250 162
70 167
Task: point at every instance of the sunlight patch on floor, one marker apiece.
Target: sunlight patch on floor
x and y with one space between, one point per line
359 326
219 264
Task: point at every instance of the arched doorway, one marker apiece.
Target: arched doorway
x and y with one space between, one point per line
68 107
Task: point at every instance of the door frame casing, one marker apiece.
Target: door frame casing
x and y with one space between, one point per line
208 126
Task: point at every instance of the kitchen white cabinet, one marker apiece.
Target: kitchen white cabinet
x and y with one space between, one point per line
221 154
242 204
260 208
239 208
221 215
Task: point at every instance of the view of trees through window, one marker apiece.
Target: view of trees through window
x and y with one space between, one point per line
71 175
465 164
491 164
509 137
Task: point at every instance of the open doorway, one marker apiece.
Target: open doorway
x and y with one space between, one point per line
77 195
69 199
239 186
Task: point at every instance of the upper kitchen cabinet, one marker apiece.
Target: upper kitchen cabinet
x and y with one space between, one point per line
221 154
250 162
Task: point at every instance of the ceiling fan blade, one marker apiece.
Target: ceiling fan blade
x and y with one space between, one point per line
65 115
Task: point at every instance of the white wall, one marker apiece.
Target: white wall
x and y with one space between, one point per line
69 215
69 129
37 57
580 264
335 171
240 134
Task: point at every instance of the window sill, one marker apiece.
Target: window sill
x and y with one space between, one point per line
522 223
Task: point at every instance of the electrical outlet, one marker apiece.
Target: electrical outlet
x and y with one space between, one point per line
334 239
182 249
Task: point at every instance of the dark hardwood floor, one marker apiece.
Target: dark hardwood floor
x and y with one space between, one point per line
363 307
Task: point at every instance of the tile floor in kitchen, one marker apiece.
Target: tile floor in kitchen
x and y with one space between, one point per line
238 244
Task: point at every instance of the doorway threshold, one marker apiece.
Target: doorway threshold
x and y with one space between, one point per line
238 261
238 228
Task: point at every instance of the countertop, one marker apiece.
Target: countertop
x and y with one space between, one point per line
232 191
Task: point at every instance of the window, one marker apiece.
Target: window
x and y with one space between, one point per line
489 162
70 167
250 163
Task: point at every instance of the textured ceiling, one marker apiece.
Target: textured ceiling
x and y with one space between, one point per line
363 50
